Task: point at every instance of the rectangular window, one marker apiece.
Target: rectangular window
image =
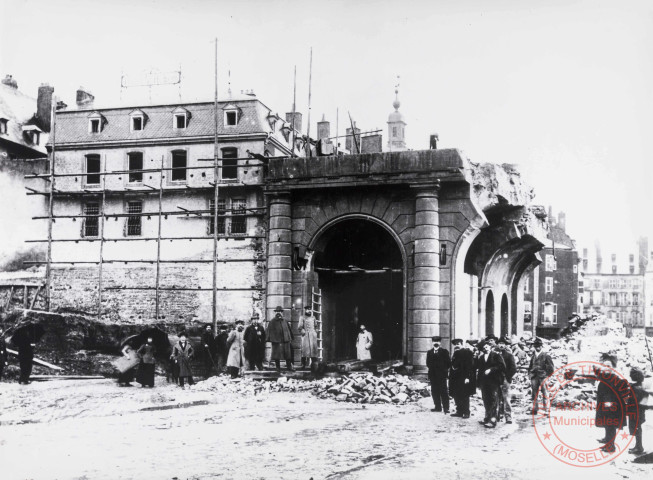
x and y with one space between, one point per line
91 224
221 220
597 283
180 120
238 218
585 264
549 313
95 125
231 117
92 169
134 222
631 258
135 164
137 123
632 269
550 263
614 257
614 269
613 283
229 163
527 285
179 164
596 298
548 284
528 312
3 125
613 299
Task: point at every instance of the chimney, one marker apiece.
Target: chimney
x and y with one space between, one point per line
349 140
84 98
433 141
10 82
61 105
44 106
323 129
562 221
298 120
372 144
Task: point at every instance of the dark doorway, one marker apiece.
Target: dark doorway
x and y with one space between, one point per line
505 324
489 313
360 272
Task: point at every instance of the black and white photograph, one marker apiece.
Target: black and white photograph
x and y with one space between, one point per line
326 239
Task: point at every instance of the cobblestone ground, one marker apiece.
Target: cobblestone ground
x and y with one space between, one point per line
95 430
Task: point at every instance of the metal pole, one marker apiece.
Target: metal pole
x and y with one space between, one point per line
294 98
48 267
99 282
308 123
158 244
336 149
216 181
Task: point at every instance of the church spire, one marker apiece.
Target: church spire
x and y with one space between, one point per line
396 125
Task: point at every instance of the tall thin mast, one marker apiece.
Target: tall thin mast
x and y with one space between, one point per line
48 266
216 173
294 100
308 123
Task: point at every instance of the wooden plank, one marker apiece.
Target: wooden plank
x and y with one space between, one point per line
273 374
36 296
11 294
352 365
44 378
382 367
37 361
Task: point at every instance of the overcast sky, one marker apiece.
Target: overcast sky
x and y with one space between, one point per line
561 88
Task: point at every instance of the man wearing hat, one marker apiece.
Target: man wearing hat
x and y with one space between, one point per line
610 413
309 337
280 336
438 362
364 342
505 409
208 350
221 347
541 366
255 343
491 371
462 381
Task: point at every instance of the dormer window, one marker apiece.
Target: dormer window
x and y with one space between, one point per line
180 117
231 115
272 120
231 118
95 123
32 133
137 121
3 126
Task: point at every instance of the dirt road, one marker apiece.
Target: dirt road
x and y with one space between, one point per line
95 430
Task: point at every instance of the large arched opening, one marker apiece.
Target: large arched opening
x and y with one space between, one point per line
489 313
505 320
360 270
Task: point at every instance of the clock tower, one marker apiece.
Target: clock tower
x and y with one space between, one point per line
396 126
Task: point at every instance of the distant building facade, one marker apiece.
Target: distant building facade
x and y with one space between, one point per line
551 293
614 284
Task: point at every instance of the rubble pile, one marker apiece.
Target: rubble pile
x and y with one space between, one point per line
359 387
364 387
593 338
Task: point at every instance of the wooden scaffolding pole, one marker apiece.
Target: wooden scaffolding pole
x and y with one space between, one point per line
101 232
158 245
216 181
48 267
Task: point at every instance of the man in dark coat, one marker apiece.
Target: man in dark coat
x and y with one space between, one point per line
25 358
208 350
505 409
491 370
541 366
438 363
462 381
255 343
609 406
279 335
3 354
221 348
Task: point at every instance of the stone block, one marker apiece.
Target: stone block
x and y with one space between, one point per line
426 273
430 302
427 246
280 209
426 287
426 232
368 203
427 202
382 204
427 218
279 288
279 275
279 261
279 222
279 248
402 223
427 260
280 236
423 330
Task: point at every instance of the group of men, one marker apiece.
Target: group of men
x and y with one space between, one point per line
489 365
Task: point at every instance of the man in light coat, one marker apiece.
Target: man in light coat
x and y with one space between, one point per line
236 342
364 342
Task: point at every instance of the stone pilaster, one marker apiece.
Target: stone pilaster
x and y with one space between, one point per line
279 280
424 306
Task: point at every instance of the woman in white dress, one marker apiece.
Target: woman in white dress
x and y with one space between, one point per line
364 344
309 338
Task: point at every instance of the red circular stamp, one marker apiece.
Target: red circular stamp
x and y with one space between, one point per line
582 411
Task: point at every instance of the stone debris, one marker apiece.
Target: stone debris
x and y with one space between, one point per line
359 387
